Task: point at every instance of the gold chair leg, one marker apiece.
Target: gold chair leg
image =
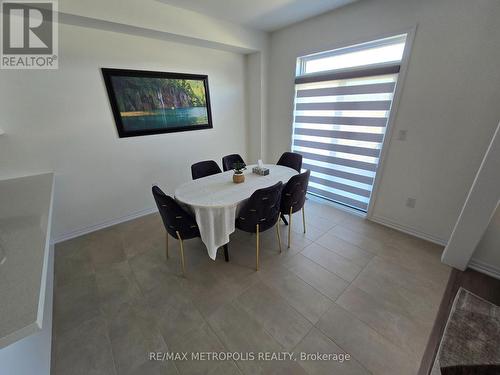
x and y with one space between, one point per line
278 231
290 226
257 249
304 219
182 253
166 244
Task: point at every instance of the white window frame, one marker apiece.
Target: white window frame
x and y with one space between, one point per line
410 37
302 61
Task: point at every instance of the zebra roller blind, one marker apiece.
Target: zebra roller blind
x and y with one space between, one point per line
340 117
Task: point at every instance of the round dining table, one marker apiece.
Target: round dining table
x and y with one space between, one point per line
215 201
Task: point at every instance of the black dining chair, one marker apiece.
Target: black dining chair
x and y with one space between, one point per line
293 198
178 223
204 169
261 212
229 160
291 160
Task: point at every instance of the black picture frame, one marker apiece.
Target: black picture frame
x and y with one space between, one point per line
121 126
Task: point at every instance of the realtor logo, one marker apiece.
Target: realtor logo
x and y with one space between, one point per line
29 35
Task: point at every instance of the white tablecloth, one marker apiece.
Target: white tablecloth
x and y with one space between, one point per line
215 200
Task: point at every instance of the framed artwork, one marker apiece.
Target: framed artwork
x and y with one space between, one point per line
145 102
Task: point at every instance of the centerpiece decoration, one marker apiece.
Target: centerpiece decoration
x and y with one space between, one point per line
238 175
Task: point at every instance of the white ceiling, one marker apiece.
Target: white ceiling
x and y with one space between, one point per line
267 15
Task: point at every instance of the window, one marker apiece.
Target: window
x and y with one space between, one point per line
343 99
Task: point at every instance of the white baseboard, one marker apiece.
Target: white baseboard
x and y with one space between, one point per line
402 228
338 206
102 225
485 268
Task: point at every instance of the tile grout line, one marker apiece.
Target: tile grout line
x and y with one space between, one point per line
409 353
220 339
156 321
352 284
375 256
397 346
381 258
346 351
336 343
285 300
330 272
312 286
283 264
108 337
369 253
349 242
312 260
349 285
212 329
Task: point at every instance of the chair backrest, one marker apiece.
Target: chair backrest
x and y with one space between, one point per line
291 160
229 160
204 168
174 217
294 193
261 208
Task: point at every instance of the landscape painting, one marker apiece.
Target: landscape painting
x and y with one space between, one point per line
146 102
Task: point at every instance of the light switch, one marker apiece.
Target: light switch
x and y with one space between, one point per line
410 202
402 135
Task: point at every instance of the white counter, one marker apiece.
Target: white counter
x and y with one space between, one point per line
25 221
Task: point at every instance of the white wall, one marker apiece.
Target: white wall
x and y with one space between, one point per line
61 121
477 212
449 104
255 88
487 254
160 17
256 83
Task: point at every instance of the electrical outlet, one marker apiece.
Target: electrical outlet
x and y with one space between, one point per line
402 135
411 202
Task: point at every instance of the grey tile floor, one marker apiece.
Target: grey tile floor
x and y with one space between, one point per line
346 286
